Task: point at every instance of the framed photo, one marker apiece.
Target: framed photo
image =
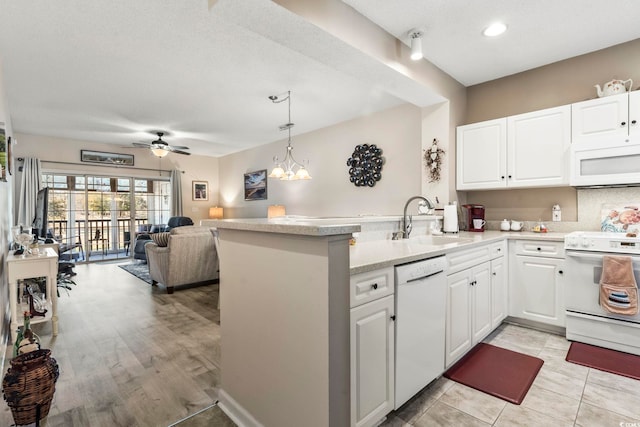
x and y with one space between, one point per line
255 185
9 156
200 190
114 159
3 155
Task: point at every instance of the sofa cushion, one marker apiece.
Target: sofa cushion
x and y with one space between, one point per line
161 239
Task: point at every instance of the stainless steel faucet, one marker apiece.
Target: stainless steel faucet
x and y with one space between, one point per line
406 227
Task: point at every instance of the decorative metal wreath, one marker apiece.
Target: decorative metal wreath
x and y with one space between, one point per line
433 161
365 165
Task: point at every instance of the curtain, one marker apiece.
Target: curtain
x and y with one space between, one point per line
176 193
30 185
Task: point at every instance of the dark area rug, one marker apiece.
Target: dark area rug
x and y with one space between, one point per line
603 359
138 269
497 371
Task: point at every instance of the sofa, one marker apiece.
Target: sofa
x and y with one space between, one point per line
189 256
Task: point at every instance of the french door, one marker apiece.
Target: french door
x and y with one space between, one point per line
97 216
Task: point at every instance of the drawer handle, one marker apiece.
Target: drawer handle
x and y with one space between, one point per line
539 249
494 273
499 249
473 283
623 124
560 272
374 286
633 122
393 317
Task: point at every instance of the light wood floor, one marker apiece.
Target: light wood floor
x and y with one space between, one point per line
130 354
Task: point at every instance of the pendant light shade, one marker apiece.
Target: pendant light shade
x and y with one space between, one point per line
160 152
288 169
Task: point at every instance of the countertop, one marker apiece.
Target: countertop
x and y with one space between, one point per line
368 256
299 226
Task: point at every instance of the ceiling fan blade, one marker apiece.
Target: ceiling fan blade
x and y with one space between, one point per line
181 152
179 147
141 145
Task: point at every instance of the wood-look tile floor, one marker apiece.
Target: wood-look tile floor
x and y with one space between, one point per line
132 355
563 393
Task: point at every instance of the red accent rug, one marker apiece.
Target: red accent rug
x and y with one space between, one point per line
496 371
603 359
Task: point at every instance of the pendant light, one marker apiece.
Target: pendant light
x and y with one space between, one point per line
416 43
288 169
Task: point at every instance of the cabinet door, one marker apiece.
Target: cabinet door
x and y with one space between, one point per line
539 282
606 116
481 302
634 113
481 155
538 148
372 361
458 326
498 292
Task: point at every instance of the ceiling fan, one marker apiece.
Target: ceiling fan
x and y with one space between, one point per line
160 148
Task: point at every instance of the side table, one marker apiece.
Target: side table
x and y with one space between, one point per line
45 264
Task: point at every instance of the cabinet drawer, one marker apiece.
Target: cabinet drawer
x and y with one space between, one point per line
540 248
496 250
461 260
371 285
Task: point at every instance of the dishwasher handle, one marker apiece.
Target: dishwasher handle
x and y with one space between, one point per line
422 277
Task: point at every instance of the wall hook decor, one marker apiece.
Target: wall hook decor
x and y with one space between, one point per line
433 157
365 165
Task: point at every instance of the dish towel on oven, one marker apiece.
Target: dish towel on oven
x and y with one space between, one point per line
618 288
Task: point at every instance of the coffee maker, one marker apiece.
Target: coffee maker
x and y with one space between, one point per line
471 213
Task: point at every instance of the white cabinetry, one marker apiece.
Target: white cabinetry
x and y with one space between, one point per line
481 158
537 282
475 301
526 150
372 347
538 148
610 116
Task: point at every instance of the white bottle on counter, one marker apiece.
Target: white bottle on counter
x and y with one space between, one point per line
451 218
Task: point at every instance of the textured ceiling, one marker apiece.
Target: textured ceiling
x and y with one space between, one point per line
113 71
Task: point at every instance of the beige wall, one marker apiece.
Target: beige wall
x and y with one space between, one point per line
552 85
196 168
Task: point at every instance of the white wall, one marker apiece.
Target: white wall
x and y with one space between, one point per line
146 165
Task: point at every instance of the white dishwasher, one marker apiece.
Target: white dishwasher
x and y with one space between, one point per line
421 296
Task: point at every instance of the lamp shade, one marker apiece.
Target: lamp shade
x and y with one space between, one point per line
216 212
160 152
274 211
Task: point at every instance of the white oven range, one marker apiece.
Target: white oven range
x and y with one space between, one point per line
586 320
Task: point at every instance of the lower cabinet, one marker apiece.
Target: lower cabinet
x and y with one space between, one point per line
468 310
476 297
537 281
372 361
540 285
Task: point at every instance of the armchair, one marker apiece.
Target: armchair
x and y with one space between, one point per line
190 256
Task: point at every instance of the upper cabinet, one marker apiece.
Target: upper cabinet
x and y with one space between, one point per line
611 116
481 158
527 150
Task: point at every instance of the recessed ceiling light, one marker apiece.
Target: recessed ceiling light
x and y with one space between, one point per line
495 29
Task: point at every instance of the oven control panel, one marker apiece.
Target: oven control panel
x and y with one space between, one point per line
602 242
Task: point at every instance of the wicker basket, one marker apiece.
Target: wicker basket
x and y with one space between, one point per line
29 384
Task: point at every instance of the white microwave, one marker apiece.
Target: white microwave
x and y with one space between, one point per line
607 162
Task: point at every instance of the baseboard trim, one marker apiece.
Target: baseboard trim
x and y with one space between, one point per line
235 411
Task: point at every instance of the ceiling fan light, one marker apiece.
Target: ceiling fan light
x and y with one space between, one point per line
160 152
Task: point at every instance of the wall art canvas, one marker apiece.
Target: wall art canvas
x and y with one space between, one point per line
255 185
114 159
621 218
200 190
3 155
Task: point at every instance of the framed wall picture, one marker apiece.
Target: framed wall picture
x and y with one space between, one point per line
3 155
200 190
255 185
115 159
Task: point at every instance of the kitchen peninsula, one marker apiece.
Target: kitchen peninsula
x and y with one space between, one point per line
285 311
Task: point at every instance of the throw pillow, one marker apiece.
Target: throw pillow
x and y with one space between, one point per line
161 239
